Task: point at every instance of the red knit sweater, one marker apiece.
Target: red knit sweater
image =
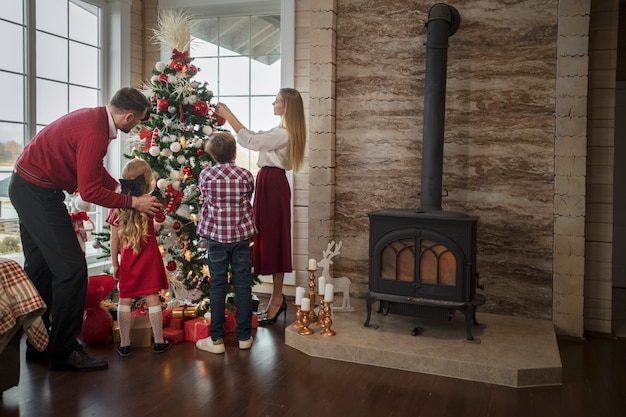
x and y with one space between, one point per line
69 153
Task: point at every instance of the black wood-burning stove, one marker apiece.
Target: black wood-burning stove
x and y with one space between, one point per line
422 262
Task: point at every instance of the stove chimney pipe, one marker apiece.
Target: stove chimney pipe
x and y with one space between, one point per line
443 22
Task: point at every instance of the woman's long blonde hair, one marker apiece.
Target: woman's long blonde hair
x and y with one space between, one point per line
293 121
132 226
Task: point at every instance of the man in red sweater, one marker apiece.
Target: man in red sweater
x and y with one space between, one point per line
68 155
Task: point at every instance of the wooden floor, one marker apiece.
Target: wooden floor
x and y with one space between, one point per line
275 380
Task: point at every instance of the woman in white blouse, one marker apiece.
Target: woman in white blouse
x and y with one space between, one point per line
280 149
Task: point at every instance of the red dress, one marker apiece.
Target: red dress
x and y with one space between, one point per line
140 273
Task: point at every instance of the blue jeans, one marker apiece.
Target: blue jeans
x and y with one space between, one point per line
220 256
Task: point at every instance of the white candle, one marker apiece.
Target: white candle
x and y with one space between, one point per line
305 304
321 285
329 293
312 264
299 295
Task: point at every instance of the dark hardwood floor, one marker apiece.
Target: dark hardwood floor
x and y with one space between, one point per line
275 380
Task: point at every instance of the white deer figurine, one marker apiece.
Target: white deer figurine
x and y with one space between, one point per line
340 284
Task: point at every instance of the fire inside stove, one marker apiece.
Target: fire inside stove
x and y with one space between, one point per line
436 263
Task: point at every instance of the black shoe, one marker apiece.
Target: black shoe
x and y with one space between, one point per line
283 309
78 361
123 351
162 347
33 355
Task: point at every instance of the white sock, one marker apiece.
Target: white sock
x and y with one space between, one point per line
123 320
156 321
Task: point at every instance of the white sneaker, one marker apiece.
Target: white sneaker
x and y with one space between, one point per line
245 344
208 345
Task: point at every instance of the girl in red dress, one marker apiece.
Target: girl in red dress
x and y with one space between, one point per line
140 270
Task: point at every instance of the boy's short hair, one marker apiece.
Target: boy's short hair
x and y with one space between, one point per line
222 147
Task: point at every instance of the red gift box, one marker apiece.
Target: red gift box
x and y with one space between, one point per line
175 335
231 321
178 324
196 329
167 316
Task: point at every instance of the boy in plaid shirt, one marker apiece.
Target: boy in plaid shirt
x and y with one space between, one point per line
226 220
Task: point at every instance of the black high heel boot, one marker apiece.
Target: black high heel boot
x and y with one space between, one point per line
283 309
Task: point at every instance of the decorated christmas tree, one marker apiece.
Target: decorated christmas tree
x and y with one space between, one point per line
172 140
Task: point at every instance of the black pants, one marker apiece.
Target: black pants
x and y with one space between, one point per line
54 260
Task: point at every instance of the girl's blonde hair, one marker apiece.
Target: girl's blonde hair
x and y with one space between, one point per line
132 224
293 121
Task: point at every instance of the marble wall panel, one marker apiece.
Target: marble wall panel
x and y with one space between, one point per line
499 135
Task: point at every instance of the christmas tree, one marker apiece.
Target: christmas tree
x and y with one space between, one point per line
172 140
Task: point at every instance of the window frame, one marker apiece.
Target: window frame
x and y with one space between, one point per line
114 72
234 8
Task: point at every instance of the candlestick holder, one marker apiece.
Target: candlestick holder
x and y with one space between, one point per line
328 321
305 325
312 316
321 311
299 314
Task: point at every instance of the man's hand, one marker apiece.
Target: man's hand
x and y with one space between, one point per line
147 204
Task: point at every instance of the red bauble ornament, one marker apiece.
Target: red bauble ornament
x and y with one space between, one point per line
171 266
199 151
162 104
178 67
187 171
220 120
162 78
176 225
201 108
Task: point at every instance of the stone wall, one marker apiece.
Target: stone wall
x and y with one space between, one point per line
499 135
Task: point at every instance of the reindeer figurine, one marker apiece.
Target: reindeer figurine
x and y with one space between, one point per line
341 284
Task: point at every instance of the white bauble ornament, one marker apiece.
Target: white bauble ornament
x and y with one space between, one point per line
171 79
186 101
192 99
166 152
175 175
199 143
183 210
154 151
172 109
181 159
96 244
154 79
160 66
162 183
195 84
175 147
207 130
176 185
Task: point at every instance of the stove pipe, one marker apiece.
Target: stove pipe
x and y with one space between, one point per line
443 22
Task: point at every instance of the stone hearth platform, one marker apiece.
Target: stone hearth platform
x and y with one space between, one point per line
511 351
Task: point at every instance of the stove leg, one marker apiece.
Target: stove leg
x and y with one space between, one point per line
470 316
368 301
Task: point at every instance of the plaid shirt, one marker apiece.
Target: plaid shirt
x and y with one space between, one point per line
226 215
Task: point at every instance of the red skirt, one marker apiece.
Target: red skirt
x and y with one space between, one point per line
271 252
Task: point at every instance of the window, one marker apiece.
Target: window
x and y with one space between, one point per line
48 69
239 57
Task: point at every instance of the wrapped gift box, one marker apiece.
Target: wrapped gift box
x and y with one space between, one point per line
175 335
140 332
167 317
230 324
178 324
186 311
196 329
